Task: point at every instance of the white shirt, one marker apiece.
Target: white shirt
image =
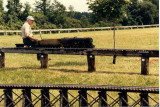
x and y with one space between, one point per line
26 30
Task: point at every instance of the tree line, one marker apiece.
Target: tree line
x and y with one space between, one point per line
52 15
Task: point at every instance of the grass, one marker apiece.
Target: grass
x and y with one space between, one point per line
69 69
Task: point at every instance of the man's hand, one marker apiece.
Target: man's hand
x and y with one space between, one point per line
33 39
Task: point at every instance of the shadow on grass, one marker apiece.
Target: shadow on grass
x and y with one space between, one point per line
74 71
103 72
16 68
69 64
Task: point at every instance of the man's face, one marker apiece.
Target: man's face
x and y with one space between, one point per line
30 22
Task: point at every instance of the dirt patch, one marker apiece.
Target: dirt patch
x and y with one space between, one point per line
153 60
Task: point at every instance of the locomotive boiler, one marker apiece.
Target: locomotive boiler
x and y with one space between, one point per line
62 43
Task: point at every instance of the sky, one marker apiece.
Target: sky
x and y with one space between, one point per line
79 5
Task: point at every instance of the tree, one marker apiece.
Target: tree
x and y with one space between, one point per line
84 21
148 12
40 19
1 6
71 11
156 2
17 7
57 14
48 13
72 23
10 7
1 19
26 12
1 13
109 10
43 5
139 13
43 9
13 15
132 14
10 13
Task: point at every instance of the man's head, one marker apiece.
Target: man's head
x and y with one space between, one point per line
30 20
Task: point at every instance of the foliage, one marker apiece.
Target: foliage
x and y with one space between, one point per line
71 12
104 13
13 15
84 21
43 5
57 13
14 9
40 19
48 26
1 6
132 14
102 24
26 12
109 10
156 2
78 15
72 23
148 12
1 19
2 27
141 13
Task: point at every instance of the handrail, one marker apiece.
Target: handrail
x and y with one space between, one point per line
47 95
82 87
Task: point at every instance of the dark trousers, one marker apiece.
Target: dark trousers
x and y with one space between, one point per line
29 42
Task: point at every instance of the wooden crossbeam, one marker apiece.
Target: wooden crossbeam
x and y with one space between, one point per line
84 51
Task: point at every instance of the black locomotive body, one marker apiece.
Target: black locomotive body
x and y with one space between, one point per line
62 43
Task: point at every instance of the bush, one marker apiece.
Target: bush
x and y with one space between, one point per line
48 26
72 23
2 27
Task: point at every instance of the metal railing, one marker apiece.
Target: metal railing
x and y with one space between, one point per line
74 95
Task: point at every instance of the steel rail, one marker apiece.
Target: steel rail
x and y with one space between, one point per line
82 87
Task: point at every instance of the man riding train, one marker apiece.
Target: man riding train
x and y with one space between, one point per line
29 40
27 35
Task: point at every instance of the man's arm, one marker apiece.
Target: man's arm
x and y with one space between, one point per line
33 39
29 34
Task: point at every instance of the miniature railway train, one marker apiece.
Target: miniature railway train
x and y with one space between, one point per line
62 43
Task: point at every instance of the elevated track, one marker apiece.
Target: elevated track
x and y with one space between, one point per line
42 55
83 51
69 95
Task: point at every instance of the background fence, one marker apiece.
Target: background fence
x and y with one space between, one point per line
50 31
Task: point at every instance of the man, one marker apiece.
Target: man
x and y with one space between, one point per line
27 35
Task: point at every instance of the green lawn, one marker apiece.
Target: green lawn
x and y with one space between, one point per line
68 69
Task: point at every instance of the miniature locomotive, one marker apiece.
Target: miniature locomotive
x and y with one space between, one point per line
62 43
